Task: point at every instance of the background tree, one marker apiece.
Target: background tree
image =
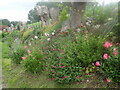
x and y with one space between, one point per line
5 22
33 17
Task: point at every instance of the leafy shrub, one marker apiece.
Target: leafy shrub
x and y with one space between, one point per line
67 53
64 14
34 62
110 65
89 49
17 54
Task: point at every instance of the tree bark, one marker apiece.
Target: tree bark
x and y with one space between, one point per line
77 13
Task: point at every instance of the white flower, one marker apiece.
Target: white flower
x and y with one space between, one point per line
48 39
29 43
46 34
36 37
53 33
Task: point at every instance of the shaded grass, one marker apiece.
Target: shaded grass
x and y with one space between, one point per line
15 76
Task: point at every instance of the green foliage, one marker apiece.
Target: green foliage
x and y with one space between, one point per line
34 62
100 13
89 49
17 54
64 15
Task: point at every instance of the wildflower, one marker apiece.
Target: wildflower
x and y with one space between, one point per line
42 42
97 63
29 51
23 58
107 80
25 46
66 76
54 49
107 45
77 77
36 37
105 56
115 53
46 34
48 39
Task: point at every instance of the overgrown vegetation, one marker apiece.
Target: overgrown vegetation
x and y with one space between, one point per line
76 55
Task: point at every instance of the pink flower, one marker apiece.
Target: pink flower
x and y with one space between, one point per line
97 63
114 49
77 77
107 80
23 58
29 51
115 53
107 45
66 76
53 66
105 56
63 52
52 78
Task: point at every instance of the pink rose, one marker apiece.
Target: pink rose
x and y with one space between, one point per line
105 56
23 58
52 78
107 80
97 63
107 45
29 51
115 53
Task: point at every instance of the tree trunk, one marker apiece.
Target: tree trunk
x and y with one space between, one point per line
77 13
